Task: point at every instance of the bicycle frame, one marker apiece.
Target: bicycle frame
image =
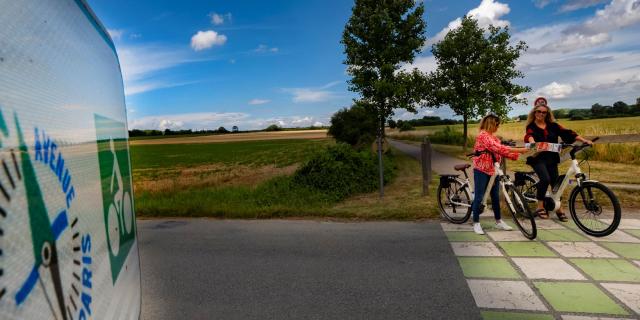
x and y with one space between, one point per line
503 180
573 172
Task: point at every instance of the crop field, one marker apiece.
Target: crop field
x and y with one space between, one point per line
515 130
249 179
172 167
622 153
250 136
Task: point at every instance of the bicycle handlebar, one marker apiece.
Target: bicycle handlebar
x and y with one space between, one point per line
576 148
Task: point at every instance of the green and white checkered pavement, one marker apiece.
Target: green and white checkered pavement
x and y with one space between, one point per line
562 274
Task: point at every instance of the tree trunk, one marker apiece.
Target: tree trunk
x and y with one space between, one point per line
464 132
380 164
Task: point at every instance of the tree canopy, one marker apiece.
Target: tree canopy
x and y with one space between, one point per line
476 70
354 126
380 37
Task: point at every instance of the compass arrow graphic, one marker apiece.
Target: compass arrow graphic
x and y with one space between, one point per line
43 233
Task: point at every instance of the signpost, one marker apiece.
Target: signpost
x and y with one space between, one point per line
68 241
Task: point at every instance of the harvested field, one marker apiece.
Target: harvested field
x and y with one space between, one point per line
251 136
214 175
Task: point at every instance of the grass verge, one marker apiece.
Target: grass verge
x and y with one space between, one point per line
279 197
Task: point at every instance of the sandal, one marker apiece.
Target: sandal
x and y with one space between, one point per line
562 217
542 213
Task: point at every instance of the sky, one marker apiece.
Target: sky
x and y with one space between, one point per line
204 64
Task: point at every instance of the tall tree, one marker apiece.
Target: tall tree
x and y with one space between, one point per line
379 38
475 73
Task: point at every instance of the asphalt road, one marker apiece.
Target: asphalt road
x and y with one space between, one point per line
292 269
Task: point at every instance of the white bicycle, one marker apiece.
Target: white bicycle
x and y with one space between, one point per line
593 206
455 197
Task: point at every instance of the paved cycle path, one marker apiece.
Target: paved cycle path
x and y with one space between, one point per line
293 269
562 274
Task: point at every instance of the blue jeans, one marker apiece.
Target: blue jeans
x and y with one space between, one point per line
480 181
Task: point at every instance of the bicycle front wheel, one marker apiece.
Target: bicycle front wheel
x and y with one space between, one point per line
595 209
521 214
454 202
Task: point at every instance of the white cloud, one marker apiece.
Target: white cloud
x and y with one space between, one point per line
572 5
141 63
310 95
575 41
594 32
200 120
555 90
218 19
304 120
541 3
424 64
170 124
489 12
263 48
616 15
207 39
630 81
115 34
213 120
302 95
258 101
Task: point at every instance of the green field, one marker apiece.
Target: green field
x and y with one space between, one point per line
254 153
515 130
252 180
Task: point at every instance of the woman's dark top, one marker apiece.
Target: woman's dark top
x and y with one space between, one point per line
550 134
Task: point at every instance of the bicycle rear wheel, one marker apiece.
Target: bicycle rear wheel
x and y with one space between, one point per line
521 214
528 189
454 202
595 209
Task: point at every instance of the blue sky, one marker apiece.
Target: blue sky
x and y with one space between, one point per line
205 64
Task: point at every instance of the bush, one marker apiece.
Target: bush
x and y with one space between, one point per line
449 136
405 126
355 126
273 127
341 171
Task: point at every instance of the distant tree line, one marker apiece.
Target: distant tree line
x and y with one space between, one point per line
220 130
425 121
597 111
169 132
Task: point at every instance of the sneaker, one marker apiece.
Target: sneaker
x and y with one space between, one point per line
477 228
503 226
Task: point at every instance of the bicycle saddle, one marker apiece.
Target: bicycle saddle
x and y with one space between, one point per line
462 167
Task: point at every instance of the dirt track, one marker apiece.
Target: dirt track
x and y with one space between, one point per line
253 136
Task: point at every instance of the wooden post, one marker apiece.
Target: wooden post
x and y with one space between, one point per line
426 165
